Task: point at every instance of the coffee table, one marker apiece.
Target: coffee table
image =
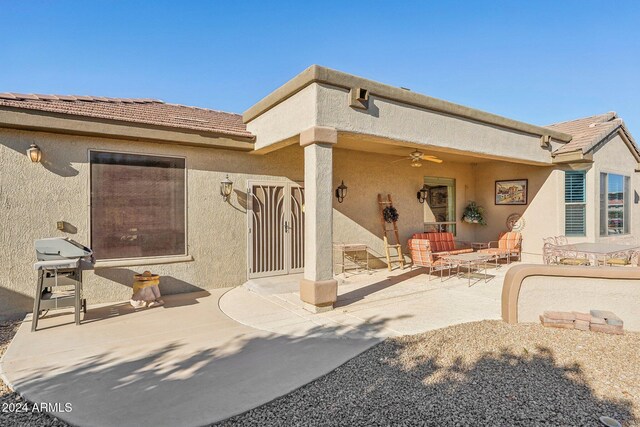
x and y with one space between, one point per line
471 261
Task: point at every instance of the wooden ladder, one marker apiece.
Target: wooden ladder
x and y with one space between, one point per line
386 230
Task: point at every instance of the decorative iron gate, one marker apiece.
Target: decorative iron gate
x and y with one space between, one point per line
276 228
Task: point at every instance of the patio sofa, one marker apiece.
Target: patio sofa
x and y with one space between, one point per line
426 250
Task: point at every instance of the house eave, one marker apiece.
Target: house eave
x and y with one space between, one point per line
41 121
318 74
572 157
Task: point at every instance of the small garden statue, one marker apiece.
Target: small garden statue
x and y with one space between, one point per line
474 214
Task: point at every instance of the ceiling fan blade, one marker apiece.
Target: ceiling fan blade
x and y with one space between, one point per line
434 160
404 159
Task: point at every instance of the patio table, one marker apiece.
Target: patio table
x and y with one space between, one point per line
470 261
345 248
597 251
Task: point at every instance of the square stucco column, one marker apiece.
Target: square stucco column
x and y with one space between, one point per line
318 288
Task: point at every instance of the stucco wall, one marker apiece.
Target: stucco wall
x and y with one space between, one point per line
407 123
325 105
357 219
541 214
34 196
287 119
541 293
615 157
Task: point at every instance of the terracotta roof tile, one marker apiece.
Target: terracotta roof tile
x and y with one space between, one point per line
135 110
587 132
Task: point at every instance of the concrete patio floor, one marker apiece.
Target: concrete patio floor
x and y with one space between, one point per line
208 355
185 364
377 305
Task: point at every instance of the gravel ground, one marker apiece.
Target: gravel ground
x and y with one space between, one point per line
482 373
9 400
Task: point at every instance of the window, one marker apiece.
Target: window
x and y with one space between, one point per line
614 204
575 203
137 205
440 208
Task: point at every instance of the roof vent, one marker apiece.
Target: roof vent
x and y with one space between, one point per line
592 125
359 98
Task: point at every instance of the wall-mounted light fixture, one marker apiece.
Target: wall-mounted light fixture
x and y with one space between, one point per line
341 192
34 153
422 193
226 187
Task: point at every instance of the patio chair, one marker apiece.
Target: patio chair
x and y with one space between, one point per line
553 254
622 259
423 256
572 258
549 251
508 245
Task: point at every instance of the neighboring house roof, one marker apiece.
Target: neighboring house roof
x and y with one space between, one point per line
135 110
590 131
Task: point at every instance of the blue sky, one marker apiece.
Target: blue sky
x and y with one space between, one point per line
537 61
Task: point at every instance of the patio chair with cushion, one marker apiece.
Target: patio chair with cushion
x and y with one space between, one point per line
552 253
622 259
423 257
427 250
508 245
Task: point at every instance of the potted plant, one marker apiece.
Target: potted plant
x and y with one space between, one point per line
474 214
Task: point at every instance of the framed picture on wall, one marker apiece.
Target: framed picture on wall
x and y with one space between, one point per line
512 192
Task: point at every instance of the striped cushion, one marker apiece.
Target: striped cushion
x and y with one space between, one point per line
618 261
574 261
509 240
440 242
421 254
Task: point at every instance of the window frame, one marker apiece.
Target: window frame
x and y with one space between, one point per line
626 206
159 259
583 203
450 183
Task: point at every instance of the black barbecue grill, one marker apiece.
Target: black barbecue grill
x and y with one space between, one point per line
60 265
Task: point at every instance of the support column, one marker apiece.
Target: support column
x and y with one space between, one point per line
318 288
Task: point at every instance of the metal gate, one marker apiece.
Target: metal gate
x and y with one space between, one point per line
276 228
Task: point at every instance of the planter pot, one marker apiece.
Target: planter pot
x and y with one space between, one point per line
471 221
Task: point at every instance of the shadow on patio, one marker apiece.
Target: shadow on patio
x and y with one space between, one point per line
198 377
395 383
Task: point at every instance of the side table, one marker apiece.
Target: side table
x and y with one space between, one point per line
348 252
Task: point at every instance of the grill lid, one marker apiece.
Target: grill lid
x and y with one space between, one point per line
60 248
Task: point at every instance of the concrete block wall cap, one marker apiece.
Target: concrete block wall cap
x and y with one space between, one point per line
319 74
517 274
318 135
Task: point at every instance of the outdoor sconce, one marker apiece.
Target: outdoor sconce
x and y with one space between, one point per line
226 187
341 192
34 153
422 194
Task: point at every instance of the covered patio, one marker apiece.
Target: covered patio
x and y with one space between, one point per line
362 133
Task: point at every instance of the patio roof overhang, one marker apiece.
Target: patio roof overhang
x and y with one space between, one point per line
366 112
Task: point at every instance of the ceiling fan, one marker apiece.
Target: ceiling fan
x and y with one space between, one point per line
416 158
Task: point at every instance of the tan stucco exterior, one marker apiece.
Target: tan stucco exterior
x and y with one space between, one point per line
35 196
309 132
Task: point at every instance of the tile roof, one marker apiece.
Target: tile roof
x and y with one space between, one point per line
135 110
589 131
